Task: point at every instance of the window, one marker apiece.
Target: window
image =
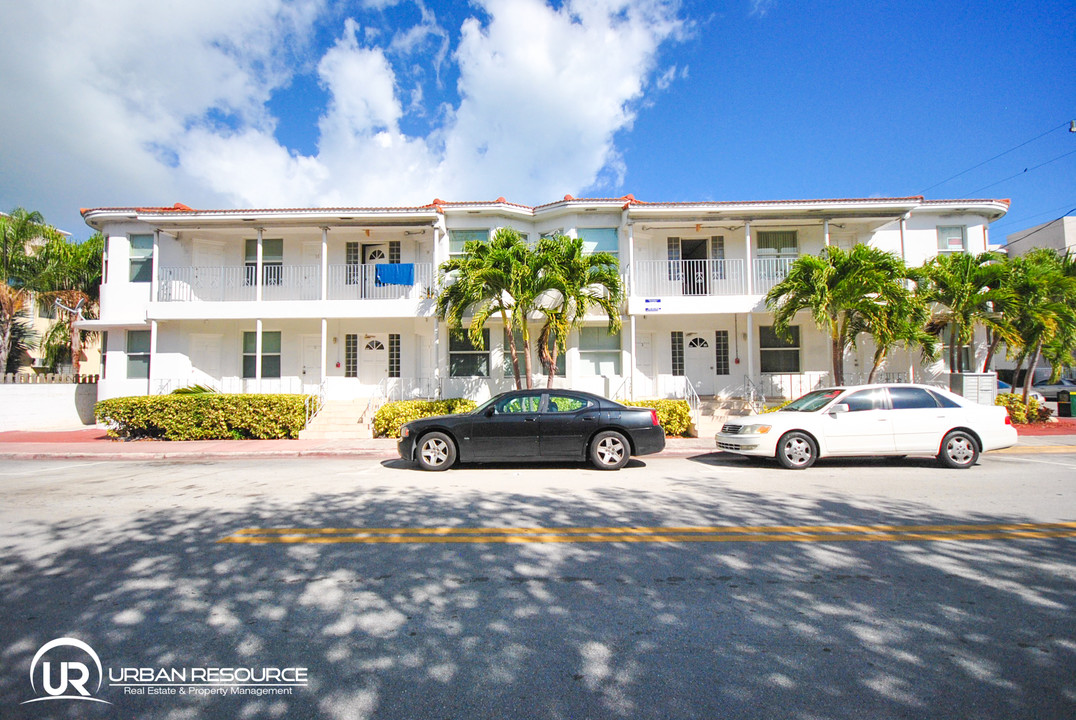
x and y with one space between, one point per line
141 258
776 354
599 352
951 239
520 404
865 400
466 360
138 346
721 352
911 398
778 243
565 403
394 355
506 356
272 261
351 355
600 240
677 341
458 238
353 260
270 354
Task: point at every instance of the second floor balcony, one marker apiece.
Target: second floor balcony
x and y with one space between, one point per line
385 281
687 278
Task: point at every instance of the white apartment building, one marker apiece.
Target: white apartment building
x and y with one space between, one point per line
341 300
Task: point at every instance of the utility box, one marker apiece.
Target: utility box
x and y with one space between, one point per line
977 387
1064 404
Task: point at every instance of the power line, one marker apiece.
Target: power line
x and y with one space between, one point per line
1020 220
1025 170
1038 229
984 162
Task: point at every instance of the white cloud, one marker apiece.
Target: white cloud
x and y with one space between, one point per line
124 102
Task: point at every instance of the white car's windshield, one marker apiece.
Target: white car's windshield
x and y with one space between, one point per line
813 401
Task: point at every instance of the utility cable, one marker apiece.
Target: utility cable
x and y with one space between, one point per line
1025 170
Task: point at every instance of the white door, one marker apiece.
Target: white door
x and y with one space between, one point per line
207 280
644 365
699 362
373 359
310 366
311 271
205 358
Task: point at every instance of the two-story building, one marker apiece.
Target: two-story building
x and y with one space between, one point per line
341 300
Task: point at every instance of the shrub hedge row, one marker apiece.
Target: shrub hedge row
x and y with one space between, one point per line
1022 413
204 416
674 415
390 417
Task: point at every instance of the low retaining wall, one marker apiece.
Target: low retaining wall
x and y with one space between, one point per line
51 406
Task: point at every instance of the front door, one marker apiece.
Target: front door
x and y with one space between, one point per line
699 363
696 257
205 358
373 359
311 272
372 255
311 360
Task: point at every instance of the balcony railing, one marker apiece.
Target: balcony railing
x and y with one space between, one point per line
688 278
769 272
294 282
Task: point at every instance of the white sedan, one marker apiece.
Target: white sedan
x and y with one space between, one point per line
872 420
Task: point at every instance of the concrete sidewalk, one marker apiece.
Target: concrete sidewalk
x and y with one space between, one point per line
93 444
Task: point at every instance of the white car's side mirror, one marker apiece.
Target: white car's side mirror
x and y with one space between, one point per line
838 408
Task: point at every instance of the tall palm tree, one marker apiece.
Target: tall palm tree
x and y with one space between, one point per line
839 289
71 276
20 264
578 282
481 283
967 291
900 320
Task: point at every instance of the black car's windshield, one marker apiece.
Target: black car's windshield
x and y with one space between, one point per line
482 408
813 401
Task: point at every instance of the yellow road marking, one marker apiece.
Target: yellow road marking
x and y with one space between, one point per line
753 533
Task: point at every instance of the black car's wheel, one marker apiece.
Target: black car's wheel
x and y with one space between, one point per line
609 450
436 451
958 450
796 451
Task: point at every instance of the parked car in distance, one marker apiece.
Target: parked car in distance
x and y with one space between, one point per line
1051 390
535 425
1004 387
872 420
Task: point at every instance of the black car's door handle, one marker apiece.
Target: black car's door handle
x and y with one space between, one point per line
530 419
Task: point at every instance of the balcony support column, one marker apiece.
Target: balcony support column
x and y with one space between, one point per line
750 369
750 260
152 354
628 291
324 347
258 332
631 357
258 293
324 288
825 231
155 267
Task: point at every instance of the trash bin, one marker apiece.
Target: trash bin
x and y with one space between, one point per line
1064 404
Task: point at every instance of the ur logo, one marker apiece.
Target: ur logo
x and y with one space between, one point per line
63 678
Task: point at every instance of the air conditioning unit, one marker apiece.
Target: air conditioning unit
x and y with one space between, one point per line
37 362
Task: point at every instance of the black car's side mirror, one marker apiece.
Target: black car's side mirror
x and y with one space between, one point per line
490 410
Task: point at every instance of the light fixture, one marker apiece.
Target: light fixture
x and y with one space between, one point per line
1072 126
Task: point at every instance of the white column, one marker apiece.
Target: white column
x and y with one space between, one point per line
825 231
750 369
155 277
632 359
437 355
750 261
152 355
258 294
258 336
631 264
324 288
324 349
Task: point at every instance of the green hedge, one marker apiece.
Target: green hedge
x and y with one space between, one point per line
208 416
1021 413
674 415
390 417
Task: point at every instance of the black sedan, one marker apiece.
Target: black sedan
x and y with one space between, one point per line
535 425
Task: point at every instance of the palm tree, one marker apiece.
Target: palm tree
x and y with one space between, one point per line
578 282
839 289
901 320
481 282
19 266
71 276
969 290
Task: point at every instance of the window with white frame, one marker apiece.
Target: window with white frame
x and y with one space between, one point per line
394 355
952 239
138 347
721 352
351 355
776 353
676 339
458 238
778 243
141 258
600 240
599 352
466 360
272 260
270 354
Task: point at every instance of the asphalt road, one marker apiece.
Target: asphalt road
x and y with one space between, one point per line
706 587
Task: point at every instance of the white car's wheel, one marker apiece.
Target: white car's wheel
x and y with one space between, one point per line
796 450
958 450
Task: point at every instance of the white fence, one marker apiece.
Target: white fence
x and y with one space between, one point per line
46 405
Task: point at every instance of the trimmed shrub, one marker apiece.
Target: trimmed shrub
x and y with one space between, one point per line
674 415
204 416
390 417
1022 413
775 408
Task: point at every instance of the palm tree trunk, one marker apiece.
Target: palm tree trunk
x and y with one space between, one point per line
990 350
837 353
879 360
512 348
76 346
1029 378
527 353
953 354
5 343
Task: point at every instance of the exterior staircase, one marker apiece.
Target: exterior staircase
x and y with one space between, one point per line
340 420
714 410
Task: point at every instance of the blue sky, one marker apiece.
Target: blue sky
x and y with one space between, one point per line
272 103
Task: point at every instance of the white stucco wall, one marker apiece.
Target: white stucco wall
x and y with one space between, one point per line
46 407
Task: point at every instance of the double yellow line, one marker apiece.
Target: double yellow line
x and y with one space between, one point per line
712 534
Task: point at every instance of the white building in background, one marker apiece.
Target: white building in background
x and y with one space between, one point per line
341 299
1059 235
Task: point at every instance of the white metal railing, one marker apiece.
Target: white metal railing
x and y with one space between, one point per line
210 284
674 278
790 385
680 387
313 403
380 282
754 395
861 378
769 272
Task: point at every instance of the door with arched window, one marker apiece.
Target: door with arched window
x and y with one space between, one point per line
699 362
373 359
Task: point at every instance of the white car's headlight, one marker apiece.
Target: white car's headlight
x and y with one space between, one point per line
756 429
